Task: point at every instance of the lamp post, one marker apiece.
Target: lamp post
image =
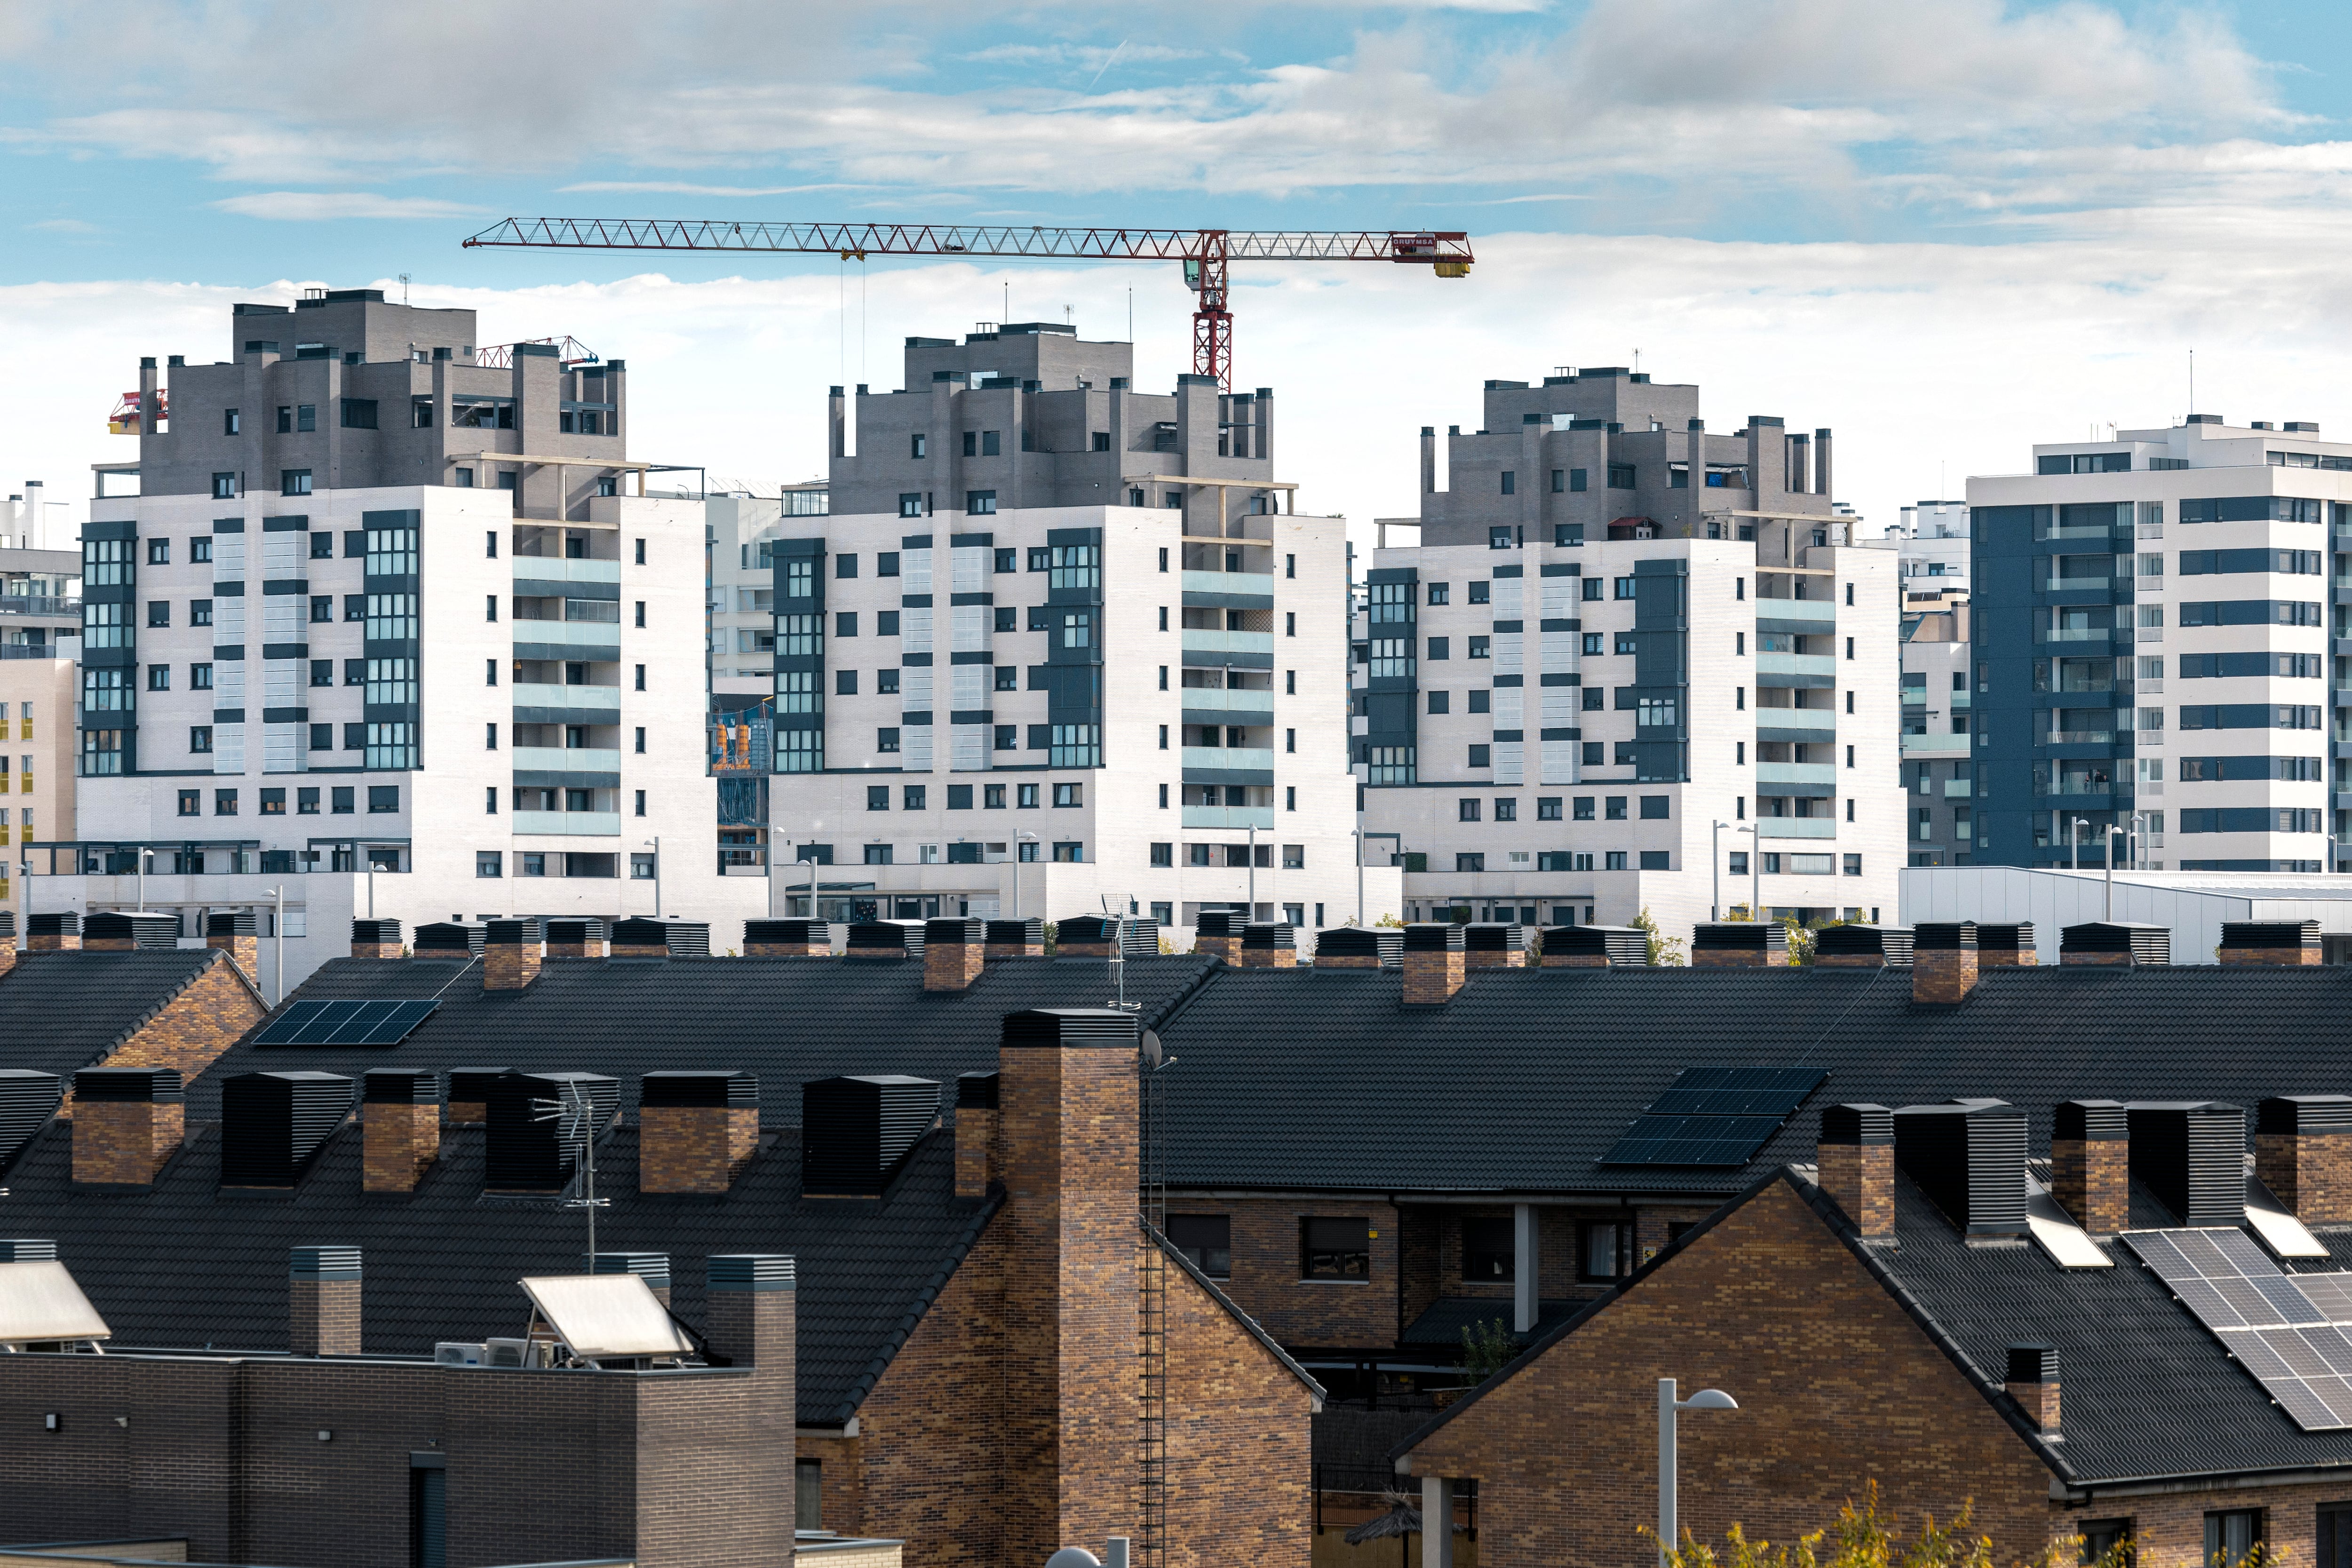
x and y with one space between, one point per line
804 860
1715 871
2112 829
653 844
1252 873
1705 1399
1018 840
278 928
1755 872
144 856
2074 843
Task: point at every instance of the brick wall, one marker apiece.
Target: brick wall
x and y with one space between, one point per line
1240 1465
1334 1314
693 1148
196 1027
1837 1385
2170 1527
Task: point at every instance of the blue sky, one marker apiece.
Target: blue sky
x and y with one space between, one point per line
1948 229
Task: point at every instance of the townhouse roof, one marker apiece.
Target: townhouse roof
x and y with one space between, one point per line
2150 1396
785 1020
66 1010
1323 1081
189 1264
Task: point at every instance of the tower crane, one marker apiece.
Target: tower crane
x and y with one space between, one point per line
1205 252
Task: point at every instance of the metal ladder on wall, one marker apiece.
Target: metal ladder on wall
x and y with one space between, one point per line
1151 1279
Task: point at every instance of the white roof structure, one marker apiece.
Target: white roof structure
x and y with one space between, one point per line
2193 904
606 1316
40 1302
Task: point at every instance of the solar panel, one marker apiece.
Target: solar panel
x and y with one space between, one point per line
1715 1116
2287 1330
369 1022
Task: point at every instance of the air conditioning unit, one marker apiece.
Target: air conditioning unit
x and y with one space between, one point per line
510 1353
458 1353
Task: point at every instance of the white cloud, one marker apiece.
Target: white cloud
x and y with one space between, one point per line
63 226
1918 355
681 188
313 206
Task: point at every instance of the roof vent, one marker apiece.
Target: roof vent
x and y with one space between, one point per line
1494 944
524 1153
1594 947
2005 946
2203 419
2115 942
1862 947
653 1267
469 1091
661 939
27 1251
1090 936
1360 947
1269 945
580 937
444 939
57 931
2301 427
273 1123
1969 1157
27 1100
375 939
1016 939
115 931
1739 944
787 939
1069 1029
884 939
2249 944
856 1133
2192 1155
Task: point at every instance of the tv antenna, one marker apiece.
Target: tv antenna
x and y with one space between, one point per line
1114 909
577 1113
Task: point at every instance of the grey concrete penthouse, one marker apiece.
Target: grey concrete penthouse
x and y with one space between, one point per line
1026 416
1590 449
345 390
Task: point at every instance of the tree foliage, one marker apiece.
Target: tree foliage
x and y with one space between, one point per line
1862 1537
1663 950
1486 1348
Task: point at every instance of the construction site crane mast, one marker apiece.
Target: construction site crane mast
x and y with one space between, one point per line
1205 252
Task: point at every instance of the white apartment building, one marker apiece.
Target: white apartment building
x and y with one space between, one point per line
2157 649
1059 642
1704 651
412 653
1932 541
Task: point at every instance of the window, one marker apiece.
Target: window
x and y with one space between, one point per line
641 612
979 503
358 413
1335 1248
1438 648
878 798
1621 476
1488 1252
224 803
915 797
1854 865
200 678
1467 861
1615 806
1481 756
1163 853
2231 1536
1439 593
192 803
200 738
1558 480
1294 858
1510 483
1206 1241
1599 1249
294 482
159 677
1027 800
1622 588
1466 809
1499 538
1069 795
384 797
2102 1536
489 863
1592 589
877 855
641 678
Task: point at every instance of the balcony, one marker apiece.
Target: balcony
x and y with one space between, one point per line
36 604
566 760
1203 641
560 569
2080 737
571 824
591 640
1795 774
2083 633
1228 759
1959 789
604 699
1806 618
1935 745
1249 707
1238 817
1813 664
1797 827
1813 723
1224 587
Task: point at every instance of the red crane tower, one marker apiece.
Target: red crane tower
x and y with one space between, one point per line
1203 251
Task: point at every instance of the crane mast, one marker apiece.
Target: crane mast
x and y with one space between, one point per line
1205 252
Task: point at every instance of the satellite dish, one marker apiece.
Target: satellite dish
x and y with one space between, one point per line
1151 1053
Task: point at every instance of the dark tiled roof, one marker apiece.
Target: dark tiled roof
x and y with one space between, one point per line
60 1011
1321 1078
188 1265
2147 1392
786 1020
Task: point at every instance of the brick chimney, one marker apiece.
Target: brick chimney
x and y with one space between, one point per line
510 955
1016 939
1067 1093
1856 1161
126 930
126 1122
1943 961
375 939
1090 936
469 1094
1593 947
653 1267
639 937
322 1300
2033 1381
2006 945
2254 944
1493 945
2090 1160
237 933
400 1128
448 939
1219 931
748 1317
2122 943
884 939
55 932
2303 1152
1360 947
787 939
1268 945
1739 944
696 1131
976 1161
8 941
1434 963
576 937
953 951
1862 947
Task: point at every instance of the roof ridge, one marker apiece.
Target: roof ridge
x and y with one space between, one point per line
1249 1324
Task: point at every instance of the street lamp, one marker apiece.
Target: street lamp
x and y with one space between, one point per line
144 856
1755 871
1705 1399
653 844
1715 871
1018 840
804 860
2110 857
277 926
